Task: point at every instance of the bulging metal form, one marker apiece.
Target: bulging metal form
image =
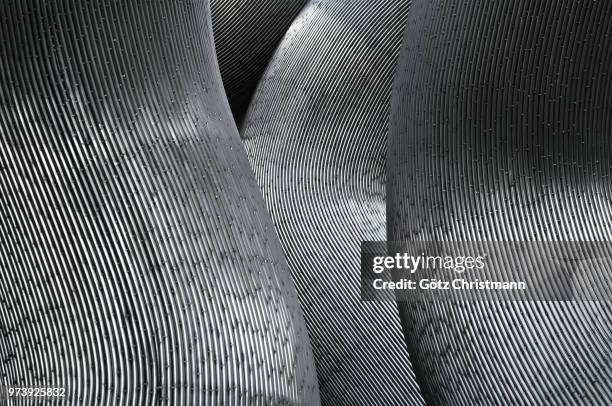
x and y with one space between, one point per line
246 34
316 137
138 264
500 130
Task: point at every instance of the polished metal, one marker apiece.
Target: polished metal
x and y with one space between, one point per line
316 138
138 263
246 34
500 131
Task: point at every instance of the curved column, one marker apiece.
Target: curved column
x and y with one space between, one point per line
500 131
316 137
138 264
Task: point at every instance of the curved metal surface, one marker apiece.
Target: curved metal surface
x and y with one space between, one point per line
316 137
246 34
138 264
500 130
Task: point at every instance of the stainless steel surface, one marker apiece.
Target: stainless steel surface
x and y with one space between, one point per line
316 137
246 34
138 264
500 130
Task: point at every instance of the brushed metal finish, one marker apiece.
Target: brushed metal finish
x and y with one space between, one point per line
246 34
138 264
500 130
316 137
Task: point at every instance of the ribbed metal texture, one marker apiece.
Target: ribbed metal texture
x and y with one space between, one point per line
138 265
316 137
500 130
246 34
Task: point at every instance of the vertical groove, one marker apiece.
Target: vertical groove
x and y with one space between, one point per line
316 134
138 264
500 131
